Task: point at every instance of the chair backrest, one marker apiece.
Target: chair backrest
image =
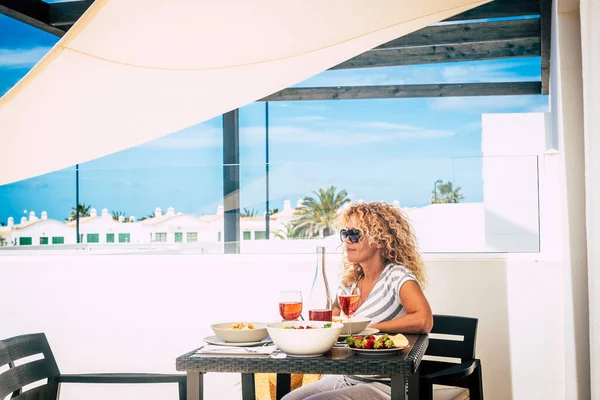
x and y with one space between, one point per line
21 373
454 348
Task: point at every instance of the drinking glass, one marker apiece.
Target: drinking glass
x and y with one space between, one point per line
290 304
349 301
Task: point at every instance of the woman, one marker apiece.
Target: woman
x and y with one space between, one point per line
382 261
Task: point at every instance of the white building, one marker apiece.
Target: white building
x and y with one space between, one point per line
39 231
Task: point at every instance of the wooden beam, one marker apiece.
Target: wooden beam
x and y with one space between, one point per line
468 33
406 91
67 13
527 47
500 9
31 12
546 32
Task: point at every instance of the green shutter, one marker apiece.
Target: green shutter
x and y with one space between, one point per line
219 236
191 236
124 238
58 240
178 237
260 235
43 240
246 235
93 238
110 238
25 241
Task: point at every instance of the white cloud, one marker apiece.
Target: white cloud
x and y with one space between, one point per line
471 126
191 139
387 126
361 133
21 58
464 72
342 134
362 78
307 118
479 104
485 72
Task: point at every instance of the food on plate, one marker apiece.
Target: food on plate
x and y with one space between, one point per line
400 341
327 325
241 326
338 319
375 342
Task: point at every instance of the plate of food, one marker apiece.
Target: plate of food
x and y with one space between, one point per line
240 332
377 345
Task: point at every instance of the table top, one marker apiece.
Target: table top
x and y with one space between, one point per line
338 360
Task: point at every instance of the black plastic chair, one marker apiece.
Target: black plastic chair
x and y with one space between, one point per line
467 373
17 376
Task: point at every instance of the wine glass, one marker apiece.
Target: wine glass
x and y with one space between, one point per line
349 300
290 304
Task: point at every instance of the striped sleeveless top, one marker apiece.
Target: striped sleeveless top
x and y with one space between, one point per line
383 303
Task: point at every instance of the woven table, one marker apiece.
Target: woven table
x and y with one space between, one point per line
401 367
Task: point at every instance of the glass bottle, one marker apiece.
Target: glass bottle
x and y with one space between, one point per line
319 303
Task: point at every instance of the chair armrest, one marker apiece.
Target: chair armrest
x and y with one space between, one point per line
457 371
121 378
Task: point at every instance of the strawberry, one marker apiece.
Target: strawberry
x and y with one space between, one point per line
370 343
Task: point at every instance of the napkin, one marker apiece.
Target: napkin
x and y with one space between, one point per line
262 351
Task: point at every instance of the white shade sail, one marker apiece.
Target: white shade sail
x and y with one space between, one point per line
130 71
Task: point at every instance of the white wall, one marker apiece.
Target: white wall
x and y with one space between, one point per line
590 32
567 110
138 313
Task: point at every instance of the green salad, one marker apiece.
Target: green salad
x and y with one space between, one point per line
370 342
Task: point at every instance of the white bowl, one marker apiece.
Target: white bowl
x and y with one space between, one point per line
224 331
304 342
354 325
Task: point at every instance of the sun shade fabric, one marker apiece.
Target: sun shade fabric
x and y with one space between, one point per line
130 71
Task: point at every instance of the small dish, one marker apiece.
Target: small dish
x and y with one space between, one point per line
376 352
367 331
220 342
225 332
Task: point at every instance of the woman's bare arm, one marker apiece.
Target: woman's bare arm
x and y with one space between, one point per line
418 318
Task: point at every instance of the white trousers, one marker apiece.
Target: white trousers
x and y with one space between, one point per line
338 387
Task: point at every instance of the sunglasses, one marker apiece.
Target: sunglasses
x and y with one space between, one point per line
353 234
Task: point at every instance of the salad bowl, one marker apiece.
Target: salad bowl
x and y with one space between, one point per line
304 338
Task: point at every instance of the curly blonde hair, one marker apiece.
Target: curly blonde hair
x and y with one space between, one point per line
381 223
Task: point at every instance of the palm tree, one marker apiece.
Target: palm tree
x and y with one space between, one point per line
82 210
446 193
2 223
248 213
317 215
117 214
273 211
288 233
149 216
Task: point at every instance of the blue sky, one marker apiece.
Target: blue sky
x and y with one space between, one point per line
376 149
